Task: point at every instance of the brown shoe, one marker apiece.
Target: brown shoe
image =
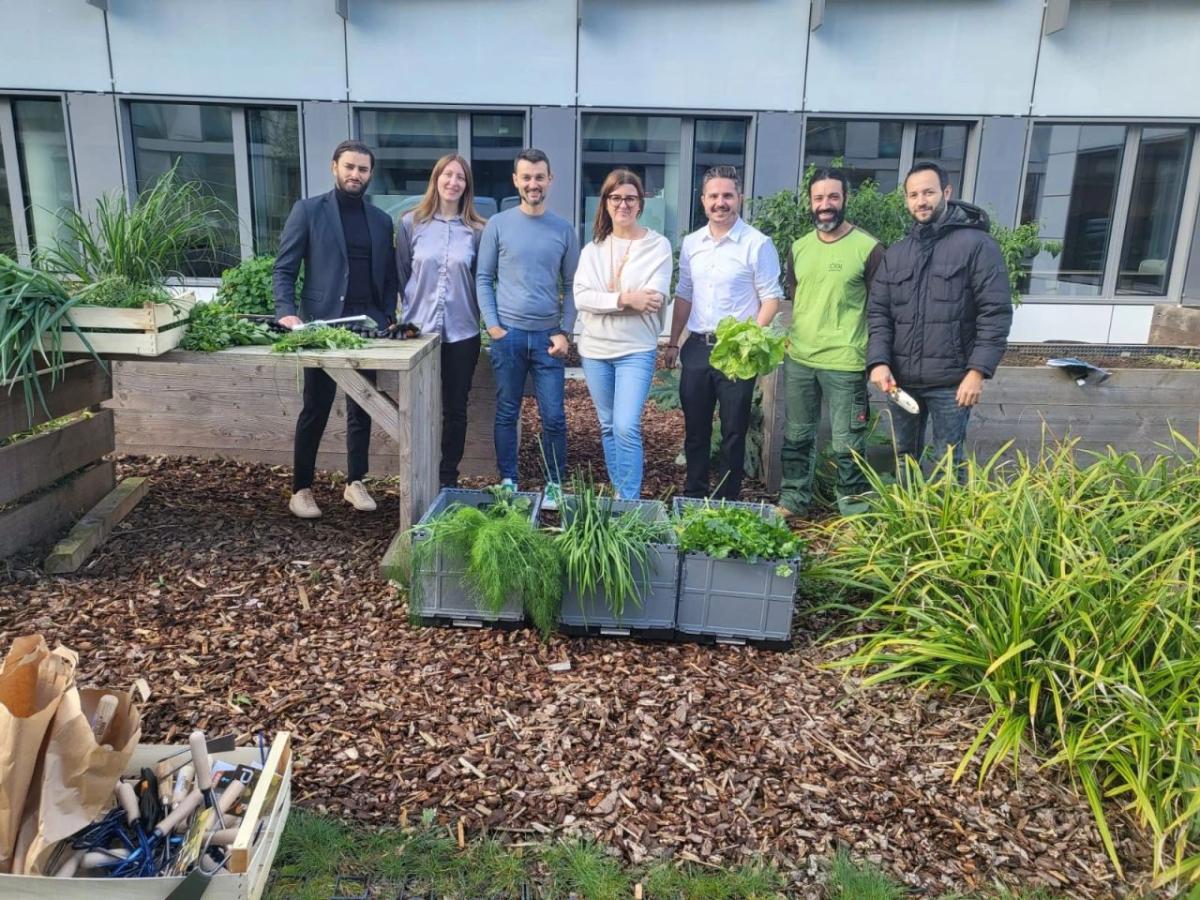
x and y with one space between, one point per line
356 495
303 506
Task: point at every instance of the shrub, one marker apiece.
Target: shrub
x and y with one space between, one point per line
248 286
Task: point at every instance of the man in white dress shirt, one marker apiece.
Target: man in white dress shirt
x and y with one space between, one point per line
726 268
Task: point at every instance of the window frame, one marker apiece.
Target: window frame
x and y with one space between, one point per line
1189 203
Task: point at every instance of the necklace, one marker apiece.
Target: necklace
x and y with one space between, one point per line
614 279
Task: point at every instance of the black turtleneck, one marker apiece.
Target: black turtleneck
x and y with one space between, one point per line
359 289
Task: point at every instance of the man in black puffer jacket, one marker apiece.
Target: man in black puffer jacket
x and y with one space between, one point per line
938 315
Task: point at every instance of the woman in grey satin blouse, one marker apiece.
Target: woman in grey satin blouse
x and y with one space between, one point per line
436 245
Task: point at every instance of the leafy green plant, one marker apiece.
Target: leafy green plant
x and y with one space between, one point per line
170 224
215 326
604 552
746 349
248 287
116 291
1065 595
323 337
724 531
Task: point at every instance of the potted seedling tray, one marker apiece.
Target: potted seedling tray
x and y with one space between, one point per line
654 616
442 596
735 600
149 330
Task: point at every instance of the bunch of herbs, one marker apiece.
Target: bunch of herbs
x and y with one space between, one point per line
322 337
215 326
725 531
248 287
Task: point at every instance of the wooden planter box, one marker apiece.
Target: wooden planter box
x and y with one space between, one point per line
654 617
149 331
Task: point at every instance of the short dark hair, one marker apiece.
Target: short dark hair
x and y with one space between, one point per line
353 147
943 176
729 172
830 174
532 155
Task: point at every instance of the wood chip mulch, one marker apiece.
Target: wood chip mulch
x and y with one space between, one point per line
243 618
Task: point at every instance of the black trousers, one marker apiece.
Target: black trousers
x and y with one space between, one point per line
701 390
458 369
319 391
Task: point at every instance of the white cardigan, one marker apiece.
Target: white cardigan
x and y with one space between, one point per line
603 330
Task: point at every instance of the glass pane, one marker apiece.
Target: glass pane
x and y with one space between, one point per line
868 149
1071 188
45 166
718 142
944 144
200 138
274 139
406 143
8 237
1154 210
647 146
495 141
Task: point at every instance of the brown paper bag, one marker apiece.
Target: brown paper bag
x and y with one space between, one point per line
77 777
32 683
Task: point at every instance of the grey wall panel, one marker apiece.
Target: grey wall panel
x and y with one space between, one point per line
999 172
552 129
461 51
924 57
325 126
229 48
1122 58
53 45
777 152
96 146
706 54
1191 283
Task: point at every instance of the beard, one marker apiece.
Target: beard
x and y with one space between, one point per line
353 190
827 225
537 198
938 212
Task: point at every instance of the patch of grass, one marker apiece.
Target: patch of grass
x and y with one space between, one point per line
583 867
753 881
850 879
315 846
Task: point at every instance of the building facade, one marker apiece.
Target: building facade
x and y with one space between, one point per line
1082 115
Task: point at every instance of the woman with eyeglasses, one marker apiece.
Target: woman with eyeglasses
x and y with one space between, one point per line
436 247
621 289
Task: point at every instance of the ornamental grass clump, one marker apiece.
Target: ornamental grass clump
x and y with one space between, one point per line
1065 593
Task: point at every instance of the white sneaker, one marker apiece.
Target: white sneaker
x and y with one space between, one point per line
303 506
356 495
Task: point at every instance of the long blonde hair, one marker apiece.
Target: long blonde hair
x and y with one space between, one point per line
429 204
603 225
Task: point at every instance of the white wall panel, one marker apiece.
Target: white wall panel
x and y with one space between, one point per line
924 57
1038 322
52 44
1122 58
517 52
228 48
693 54
1130 324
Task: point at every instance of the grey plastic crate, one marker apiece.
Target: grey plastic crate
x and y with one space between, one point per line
733 599
655 616
444 596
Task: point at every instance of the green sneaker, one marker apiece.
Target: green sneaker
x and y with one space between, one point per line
552 496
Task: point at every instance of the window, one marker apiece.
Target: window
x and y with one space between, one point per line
495 142
1112 195
883 150
35 180
247 158
669 153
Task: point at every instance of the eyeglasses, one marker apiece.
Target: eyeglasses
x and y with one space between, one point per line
615 200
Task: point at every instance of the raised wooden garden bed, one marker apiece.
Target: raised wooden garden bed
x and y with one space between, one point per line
150 330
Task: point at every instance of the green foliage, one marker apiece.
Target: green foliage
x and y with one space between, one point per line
735 532
117 291
169 224
852 880
1068 597
1019 245
603 551
322 337
752 881
583 868
215 326
746 349
248 287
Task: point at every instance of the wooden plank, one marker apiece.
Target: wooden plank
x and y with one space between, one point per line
25 525
382 410
277 761
419 438
149 317
38 461
383 354
80 385
1174 326
94 528
130 343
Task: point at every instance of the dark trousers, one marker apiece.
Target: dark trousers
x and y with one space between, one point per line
458 369
319 390
947 421
702 389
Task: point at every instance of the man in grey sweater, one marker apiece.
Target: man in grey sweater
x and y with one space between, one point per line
527 258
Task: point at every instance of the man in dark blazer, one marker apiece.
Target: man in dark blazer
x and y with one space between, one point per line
347 247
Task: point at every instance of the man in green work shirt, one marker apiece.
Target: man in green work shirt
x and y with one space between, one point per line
828 273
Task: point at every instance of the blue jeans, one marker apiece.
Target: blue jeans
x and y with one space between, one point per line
514 356
619 388
940 409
